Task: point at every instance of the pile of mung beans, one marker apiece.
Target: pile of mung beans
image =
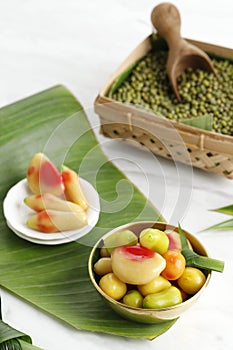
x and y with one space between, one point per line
201 92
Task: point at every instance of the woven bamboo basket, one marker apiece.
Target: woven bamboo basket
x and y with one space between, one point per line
210 151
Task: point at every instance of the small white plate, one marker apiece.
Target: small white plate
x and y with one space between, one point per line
62 240
17 212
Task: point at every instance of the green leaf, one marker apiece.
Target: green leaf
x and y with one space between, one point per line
204 122
222 226
11 344
27 346
184 241
7 333
55 278
121 78
12 339
195 260
225 210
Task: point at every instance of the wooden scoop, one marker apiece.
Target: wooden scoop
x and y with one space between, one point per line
166 19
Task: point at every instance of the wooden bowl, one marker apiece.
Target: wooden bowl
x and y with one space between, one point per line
140 314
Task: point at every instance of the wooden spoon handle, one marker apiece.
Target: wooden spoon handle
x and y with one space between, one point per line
166 19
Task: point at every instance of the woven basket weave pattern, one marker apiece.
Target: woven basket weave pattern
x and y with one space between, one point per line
201 158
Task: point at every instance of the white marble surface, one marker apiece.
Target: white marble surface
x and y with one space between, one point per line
79 44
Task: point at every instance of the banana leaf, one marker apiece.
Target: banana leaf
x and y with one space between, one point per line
121 78
204 122
195 260
221 226
12 339
55 278
225 210
224 225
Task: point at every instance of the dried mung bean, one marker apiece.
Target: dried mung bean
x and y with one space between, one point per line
201 93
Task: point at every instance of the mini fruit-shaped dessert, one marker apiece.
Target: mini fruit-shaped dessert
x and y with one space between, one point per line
175 265
168 297
156 285
133 298
174 240
112 286
43 201
120 238
154 239
191 280
43 176
104 252
73 190
136 264
50 187
103 266
50 221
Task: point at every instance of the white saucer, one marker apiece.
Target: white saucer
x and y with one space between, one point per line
63 238
16 213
